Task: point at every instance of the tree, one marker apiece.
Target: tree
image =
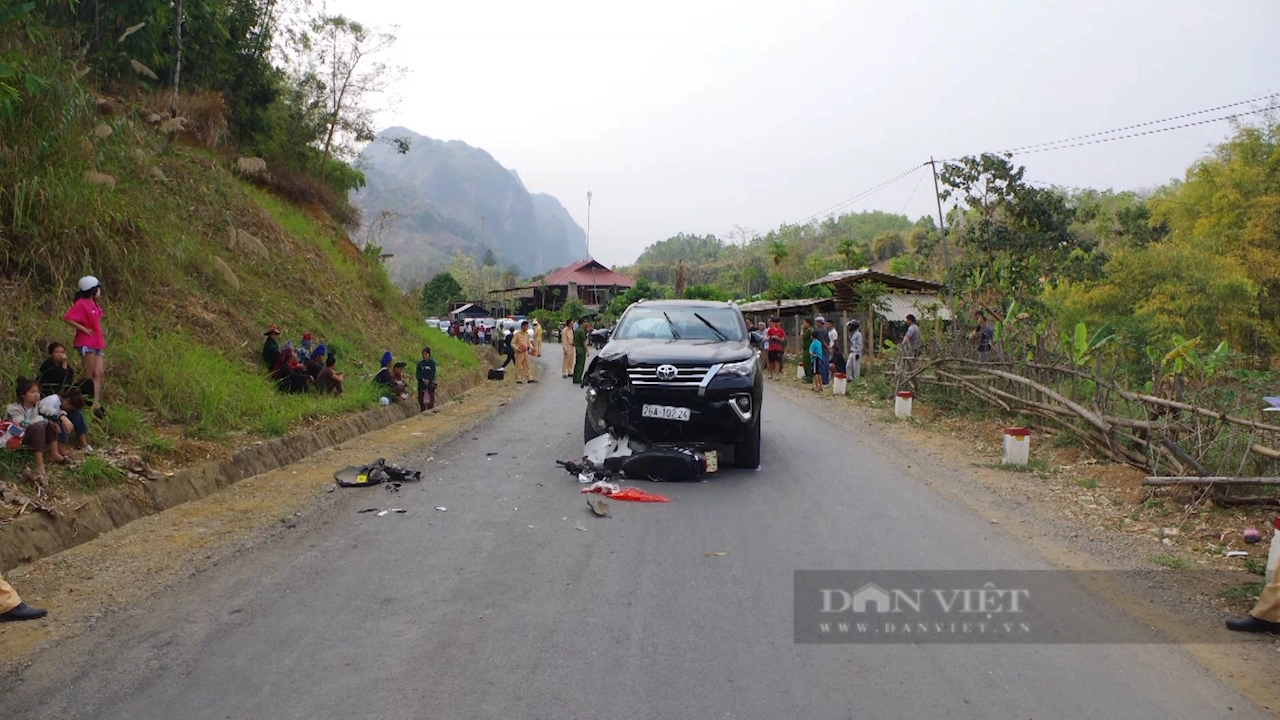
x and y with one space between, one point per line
852 254
888 245
438 292
778 252
681 280
489 260
342 53
1013 234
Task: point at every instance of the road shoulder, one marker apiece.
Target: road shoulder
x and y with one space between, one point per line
87 583
1183 606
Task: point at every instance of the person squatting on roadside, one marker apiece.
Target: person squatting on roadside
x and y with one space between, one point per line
12 609
853 364
37 432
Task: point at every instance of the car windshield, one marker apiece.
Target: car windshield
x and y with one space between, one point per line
682 323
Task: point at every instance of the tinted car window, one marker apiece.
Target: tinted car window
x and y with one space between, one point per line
649 322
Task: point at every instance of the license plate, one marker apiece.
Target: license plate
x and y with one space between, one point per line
665 412
713 460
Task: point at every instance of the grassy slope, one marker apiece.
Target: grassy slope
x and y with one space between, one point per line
183 343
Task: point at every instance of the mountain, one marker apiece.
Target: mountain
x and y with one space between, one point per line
448 197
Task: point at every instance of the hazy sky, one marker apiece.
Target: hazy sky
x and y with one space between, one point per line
700 115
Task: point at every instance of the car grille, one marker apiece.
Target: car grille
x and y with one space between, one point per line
689 376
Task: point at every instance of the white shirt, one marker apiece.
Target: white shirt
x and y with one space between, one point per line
50 407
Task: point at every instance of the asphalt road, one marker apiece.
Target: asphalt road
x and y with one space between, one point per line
518 603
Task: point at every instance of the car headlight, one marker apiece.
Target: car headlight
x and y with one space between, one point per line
739 369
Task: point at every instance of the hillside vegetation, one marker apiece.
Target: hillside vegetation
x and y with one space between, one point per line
91 184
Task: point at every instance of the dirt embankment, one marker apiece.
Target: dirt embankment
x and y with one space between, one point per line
1083 514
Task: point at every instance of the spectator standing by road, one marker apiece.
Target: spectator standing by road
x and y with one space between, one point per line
566 347
816 359
853 365
12 609
911 338
775 338
806 358
580 350
426 373
984 335
820 328
523 347
85 316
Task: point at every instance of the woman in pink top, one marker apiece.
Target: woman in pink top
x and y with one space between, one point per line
85 316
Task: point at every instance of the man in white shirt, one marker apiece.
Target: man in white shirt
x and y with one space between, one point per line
853 364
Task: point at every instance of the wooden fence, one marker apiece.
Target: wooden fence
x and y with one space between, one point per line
1204 432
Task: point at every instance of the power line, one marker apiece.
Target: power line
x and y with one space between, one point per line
1024 148
913 193
1067 143
869 191
1134 135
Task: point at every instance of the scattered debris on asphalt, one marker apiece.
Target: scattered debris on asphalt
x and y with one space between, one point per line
375 473
631 494
598 506
367 510
441 508
720 553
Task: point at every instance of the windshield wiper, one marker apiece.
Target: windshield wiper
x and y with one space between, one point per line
714 329
672 325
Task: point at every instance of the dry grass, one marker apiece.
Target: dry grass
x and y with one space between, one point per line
204 111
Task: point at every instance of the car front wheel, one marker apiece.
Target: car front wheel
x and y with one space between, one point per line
746 454
589 433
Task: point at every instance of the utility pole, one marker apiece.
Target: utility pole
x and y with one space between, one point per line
942 228
595 294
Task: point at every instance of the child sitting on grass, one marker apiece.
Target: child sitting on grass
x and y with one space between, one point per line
58 409
57 378
37 433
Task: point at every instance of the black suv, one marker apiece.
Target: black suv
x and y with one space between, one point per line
679 373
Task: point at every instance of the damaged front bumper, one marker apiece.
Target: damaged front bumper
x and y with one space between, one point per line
721 409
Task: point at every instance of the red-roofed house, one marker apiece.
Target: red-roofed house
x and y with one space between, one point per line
588 280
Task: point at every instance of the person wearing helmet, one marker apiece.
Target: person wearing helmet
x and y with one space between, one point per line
853 364
85 316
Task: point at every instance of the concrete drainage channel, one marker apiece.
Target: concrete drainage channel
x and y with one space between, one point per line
31 537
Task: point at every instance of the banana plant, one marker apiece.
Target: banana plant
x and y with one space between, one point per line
1084 348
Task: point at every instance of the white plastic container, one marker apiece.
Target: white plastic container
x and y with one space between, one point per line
902 405
838 384
799 372
1016 448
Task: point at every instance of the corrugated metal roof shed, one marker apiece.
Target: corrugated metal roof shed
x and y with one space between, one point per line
898 305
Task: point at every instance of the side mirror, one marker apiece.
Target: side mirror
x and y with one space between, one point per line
757 339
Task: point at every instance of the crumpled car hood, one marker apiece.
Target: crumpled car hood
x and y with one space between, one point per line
649 351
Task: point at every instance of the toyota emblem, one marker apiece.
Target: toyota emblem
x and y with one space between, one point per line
666 372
